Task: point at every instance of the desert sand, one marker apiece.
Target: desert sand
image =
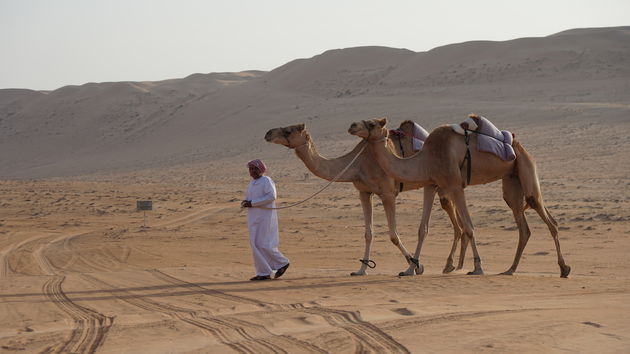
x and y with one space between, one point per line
80 273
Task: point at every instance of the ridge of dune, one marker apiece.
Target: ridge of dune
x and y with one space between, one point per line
326 73
593 31
570 55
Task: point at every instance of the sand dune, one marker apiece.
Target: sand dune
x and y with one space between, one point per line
570 55
335 71
79 272
126 125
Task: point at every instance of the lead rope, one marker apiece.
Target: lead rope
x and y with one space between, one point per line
323 188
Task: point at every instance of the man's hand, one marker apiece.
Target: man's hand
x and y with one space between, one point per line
246 204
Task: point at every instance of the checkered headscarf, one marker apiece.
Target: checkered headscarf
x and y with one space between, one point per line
258 164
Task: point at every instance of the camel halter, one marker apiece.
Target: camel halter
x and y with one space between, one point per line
365 125
324 187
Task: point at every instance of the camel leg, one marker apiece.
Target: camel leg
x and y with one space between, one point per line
457 233
513 196
462 252
537 204
429 195
389 203
366 204
467 226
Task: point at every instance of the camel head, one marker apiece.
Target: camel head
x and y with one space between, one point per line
291 136
372 130
407 127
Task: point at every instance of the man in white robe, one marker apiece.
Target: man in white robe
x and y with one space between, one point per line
263 223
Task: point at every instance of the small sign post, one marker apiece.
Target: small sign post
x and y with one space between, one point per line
144 205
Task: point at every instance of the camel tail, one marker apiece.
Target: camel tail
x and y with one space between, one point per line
526 167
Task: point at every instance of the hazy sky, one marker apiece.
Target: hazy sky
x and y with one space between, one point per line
47 44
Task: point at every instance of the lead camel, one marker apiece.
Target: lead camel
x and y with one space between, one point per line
369 179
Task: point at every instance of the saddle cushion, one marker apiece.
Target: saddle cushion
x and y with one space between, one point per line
419 136
490 139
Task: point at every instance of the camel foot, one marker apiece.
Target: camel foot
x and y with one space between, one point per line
507 272
419 270
407 273
448 268
476 272
359 273
564 271
412 271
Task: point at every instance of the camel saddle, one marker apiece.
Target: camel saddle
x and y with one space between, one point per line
489 138
417 141
417 138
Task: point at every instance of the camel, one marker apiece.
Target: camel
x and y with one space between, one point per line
439 166
369 179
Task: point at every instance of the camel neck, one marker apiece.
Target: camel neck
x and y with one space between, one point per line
411 169
327 168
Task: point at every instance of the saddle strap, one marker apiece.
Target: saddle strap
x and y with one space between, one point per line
467 157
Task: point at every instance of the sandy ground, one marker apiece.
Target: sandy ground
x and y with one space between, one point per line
79 273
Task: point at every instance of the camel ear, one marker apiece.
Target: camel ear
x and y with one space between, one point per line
299 127
381 122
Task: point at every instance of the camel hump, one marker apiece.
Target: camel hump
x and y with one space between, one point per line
526 167
440 134
415 132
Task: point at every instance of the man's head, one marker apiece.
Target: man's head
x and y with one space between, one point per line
256 168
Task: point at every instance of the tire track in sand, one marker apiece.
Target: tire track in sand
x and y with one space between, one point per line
365 335
5 267
103 261
456 316
192 217
241 336
91 327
